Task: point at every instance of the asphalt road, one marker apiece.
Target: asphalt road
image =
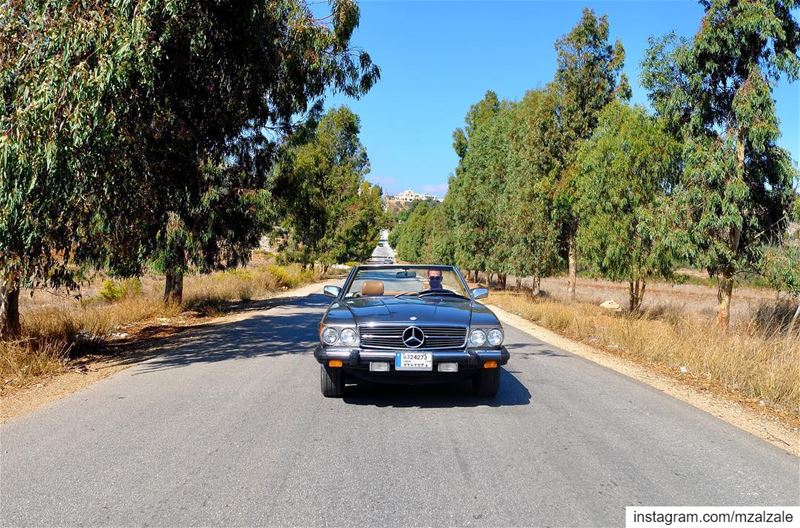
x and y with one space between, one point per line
227 427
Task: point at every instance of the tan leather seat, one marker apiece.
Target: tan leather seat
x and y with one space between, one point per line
372 288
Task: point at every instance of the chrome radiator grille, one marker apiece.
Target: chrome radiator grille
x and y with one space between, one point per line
392 336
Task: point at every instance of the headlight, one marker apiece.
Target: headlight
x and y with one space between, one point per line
494 336
330 335
477 338
348 337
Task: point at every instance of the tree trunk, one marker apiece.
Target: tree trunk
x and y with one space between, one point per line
724 293
173 287
631 296
503 280
572 255
725 290
518 286
635 294
536 286
641 294
9 307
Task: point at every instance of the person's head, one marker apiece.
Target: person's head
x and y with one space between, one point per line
435 279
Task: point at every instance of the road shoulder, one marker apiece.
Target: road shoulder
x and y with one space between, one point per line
761 425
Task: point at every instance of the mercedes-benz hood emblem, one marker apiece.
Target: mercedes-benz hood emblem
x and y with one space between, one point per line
413 337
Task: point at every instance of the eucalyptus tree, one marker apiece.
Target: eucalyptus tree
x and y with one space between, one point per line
360 218
111 111
485 167
217 232
716 91
471 217
588 76
74 80
254 68
333 214
411 236
528 228
439 240
625 174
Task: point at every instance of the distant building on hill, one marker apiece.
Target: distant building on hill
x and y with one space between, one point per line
409 196
405 200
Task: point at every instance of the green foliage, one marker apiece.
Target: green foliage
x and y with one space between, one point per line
529 231
782 269
511 196
782 262
71 79
438 248
472 215
290 276
112 112
410 237
220 230
588 77
115 290
715 92
333 214
624 171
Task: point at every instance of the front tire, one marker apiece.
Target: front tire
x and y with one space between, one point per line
331 381
486 383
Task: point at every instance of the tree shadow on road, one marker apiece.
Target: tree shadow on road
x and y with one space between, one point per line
291 330
512 392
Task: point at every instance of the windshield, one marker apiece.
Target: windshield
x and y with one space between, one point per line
396 282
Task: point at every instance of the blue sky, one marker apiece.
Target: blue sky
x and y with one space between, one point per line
438 58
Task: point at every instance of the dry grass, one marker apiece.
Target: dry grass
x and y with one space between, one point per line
22 362
754 363
208 292
52 334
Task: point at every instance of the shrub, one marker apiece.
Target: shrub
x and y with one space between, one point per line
115 290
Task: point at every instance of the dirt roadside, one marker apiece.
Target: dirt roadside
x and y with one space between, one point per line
761 425
95 368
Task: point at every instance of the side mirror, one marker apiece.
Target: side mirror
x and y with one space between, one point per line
331 291
480 293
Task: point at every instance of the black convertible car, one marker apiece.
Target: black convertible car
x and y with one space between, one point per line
409 324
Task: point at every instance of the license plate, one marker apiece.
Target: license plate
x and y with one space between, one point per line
413 361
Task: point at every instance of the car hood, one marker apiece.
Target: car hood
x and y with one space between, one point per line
431 310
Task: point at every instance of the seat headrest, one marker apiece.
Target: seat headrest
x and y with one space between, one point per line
372 288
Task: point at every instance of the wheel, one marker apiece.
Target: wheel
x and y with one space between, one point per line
331 381
486 382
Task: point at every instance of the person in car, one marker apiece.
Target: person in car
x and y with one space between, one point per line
435 279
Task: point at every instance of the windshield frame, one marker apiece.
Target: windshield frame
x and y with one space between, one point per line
400 267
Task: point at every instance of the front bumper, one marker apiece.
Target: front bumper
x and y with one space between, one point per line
360 358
